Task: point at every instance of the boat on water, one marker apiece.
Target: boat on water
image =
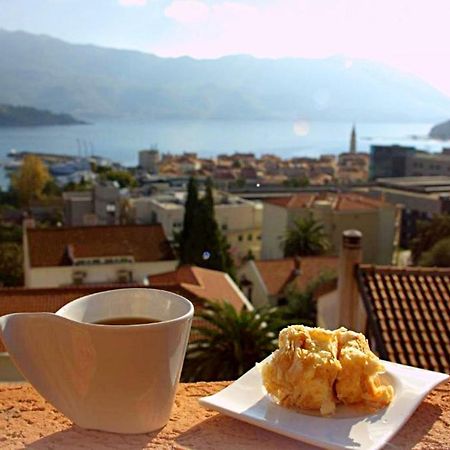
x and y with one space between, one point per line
11 166
69 168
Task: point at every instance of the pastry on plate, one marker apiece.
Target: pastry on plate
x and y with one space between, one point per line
315 369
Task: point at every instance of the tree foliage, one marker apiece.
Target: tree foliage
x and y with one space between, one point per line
438 255
297 182
229 343
30 180
430 233
306 237
300 306
200 242
124 177
11 269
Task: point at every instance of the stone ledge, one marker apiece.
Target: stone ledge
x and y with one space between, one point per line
28 421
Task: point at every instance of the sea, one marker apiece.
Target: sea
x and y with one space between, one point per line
121 140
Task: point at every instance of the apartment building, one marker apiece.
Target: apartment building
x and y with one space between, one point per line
99 206
378 220
388 161
419 197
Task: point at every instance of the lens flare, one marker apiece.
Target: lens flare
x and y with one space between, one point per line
301 128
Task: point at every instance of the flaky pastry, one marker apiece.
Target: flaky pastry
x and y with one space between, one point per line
315 369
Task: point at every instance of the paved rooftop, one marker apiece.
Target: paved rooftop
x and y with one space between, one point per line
28 421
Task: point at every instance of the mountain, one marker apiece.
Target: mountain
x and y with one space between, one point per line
90 81
17 116
441 131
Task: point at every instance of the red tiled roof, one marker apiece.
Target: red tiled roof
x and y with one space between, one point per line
277 273
409 313
350 202
339 202
292 201
200 283
50 246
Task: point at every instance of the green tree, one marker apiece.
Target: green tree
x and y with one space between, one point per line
200 242
213 244
11 233
187 241
229 343
123 177
297 182
51 189
30 180
300 306
428 234
11 269
438 255
306 237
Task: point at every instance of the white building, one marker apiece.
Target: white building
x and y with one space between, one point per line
95 255
239 220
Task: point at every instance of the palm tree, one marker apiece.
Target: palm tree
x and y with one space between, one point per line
306 237
228 343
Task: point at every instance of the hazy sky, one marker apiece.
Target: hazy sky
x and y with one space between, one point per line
408 34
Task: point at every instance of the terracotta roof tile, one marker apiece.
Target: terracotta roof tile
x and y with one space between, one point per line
409 312
292 201
277 273
50 246
339 202
200 283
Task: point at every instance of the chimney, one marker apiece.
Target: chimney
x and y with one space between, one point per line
350 310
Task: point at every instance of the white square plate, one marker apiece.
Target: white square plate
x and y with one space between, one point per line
247 400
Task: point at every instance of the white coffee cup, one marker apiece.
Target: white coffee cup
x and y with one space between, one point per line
118 378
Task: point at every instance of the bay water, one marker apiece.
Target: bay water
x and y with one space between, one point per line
120 140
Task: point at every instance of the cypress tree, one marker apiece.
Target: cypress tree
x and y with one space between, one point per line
187 236
212 250
201 242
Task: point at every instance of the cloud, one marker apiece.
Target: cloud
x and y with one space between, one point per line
132 2
187 11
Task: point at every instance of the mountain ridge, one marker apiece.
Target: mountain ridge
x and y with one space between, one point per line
91 81
21 116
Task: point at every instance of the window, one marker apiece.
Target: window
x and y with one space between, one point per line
240 238
78 277
250 237
224 227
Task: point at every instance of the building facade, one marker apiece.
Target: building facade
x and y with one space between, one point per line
239 220
420 199
378 220
99 206
95 255
149 160
398 161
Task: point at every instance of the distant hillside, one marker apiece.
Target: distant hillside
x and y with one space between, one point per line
441 131
16 116
89 81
